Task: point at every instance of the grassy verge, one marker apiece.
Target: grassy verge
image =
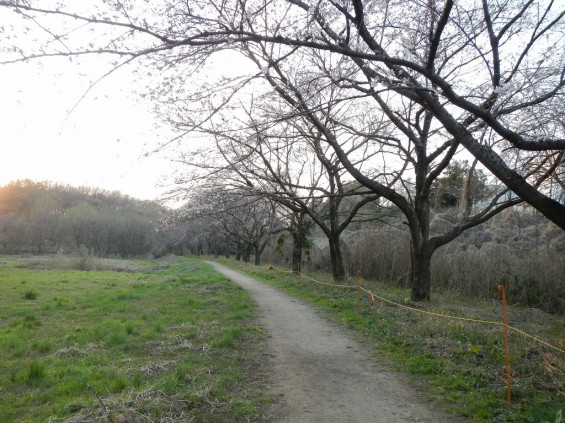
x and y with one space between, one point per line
135 341
459 365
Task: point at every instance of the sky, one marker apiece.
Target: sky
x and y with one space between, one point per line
99 143
56 126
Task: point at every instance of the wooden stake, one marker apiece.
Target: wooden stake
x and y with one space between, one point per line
506 348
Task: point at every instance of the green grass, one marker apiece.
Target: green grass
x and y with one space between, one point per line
163 339
458 365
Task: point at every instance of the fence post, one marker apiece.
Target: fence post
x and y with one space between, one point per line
506 348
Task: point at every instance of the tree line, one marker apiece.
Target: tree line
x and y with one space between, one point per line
44 217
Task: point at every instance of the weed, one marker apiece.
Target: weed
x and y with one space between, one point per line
227 337
30 294
42 346
244 409
30 321
137 380
130 328
425 365
191 333
35 372
266 400
118 384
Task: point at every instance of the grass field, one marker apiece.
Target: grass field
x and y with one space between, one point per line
132 341
169 340
458 365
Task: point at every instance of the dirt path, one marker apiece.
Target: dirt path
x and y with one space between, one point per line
322 373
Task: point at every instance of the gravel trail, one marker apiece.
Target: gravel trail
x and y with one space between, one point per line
321 372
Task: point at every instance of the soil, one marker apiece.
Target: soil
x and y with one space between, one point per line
321 372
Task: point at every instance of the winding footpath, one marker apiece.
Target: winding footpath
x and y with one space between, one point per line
321 372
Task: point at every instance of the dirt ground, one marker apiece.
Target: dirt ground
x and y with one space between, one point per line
319 371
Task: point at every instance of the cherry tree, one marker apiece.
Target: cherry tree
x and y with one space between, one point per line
399 161
282 157
228 217
475 66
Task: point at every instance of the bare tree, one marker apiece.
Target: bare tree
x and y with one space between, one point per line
45 217
225 216
413 153
473 66
283 157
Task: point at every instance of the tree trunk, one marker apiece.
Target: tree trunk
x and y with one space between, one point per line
338 270
257 256
247 254
297 244
227 249
420 274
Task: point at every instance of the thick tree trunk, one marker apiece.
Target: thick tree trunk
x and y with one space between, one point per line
297 244
338 269
420 274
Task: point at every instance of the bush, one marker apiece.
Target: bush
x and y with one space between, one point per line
86 260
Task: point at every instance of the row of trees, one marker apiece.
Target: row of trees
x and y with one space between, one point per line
350 103
222 221
40 217
517 247
216 222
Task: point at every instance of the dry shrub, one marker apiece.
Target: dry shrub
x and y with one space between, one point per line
533 278
85 259
518 249
382 254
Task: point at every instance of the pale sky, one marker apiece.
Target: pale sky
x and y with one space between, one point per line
100 144
103 141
